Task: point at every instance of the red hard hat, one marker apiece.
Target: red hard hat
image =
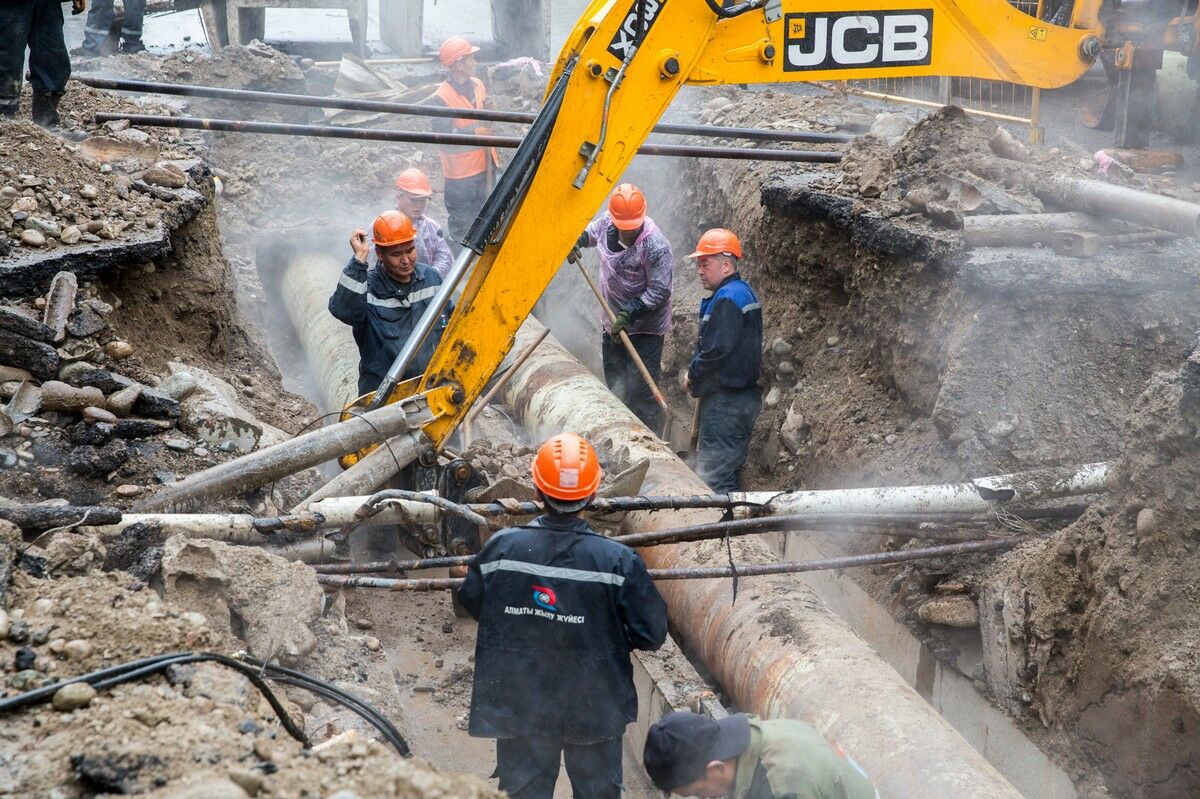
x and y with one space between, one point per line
414 181
455 48
627 206
718 241
392 227
566 468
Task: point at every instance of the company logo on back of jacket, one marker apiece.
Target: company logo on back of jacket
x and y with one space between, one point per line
545 598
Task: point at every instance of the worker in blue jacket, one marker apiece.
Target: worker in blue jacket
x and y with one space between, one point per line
559 609
725 368
384 304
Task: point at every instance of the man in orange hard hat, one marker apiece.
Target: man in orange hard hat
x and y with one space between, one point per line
383 304
725 367
467 169
559 609
636 268
412 195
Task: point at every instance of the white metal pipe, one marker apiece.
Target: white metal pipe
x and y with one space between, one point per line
1038 484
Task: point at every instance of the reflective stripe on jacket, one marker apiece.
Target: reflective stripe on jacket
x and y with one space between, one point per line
383 313
559 609
729 351
464 162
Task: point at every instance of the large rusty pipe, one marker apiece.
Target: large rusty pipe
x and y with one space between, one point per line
819 670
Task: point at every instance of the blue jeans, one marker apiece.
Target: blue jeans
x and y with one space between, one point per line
726 420
38 25
528 768
99 23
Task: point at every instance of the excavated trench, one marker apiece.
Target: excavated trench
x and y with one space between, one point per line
893 357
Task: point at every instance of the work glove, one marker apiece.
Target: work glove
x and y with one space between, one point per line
574 256
628 313
78 6
620 323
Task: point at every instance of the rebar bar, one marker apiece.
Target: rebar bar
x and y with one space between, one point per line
415 109
716 572
453 139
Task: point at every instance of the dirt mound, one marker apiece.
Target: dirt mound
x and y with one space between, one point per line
1095 631
200 730
255 66
53 196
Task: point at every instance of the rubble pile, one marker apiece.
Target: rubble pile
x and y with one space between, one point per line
199 730
86 420
113 186
255 66
500 459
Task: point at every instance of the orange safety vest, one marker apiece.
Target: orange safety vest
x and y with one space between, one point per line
464 162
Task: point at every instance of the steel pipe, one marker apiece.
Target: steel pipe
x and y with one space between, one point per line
454 139
1109 199
821 672
371 472
342 579
975 497
415 109
266 465
234 528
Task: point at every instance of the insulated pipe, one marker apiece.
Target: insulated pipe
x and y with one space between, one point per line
415 109
820 671
1108 199
371 472
1026 230
306 285
454 139
966 497
266 465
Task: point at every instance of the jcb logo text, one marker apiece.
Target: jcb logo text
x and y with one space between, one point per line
627 33
857 40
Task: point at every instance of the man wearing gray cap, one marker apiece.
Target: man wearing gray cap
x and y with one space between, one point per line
745 757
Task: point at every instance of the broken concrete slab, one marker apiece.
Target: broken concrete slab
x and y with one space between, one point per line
213 414
274 601
16 322
59 303
37 357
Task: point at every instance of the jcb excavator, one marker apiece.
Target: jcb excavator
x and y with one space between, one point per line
620 69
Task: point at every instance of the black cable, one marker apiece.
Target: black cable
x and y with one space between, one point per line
252 669
721 11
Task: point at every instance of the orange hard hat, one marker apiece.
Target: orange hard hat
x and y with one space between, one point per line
718 241
566 468
414 181
392 227
627 206
455 48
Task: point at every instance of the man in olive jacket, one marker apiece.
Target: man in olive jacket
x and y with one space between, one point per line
745 757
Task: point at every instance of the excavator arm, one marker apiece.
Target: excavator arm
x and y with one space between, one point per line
620 69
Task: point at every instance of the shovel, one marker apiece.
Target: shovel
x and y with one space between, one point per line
670 423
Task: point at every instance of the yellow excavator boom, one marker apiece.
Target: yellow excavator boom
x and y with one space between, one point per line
619 84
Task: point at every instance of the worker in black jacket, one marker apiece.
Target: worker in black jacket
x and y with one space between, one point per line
559 609
383 305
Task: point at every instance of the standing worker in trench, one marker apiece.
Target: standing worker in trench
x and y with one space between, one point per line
636 268
724 371
746 757
559 609
383 304
469 171
38 25
412 195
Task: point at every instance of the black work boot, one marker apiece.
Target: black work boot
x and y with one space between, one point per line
132 46
45 109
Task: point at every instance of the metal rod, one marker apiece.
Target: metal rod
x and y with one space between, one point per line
454 139
504 378
416 109
717 572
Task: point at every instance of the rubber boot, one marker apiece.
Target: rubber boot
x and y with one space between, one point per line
45 109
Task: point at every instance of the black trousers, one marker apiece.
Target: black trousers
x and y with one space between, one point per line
626 382
463 197
38 25
727 419
528 768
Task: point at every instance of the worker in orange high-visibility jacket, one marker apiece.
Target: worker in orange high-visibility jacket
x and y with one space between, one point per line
559 609
468 170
